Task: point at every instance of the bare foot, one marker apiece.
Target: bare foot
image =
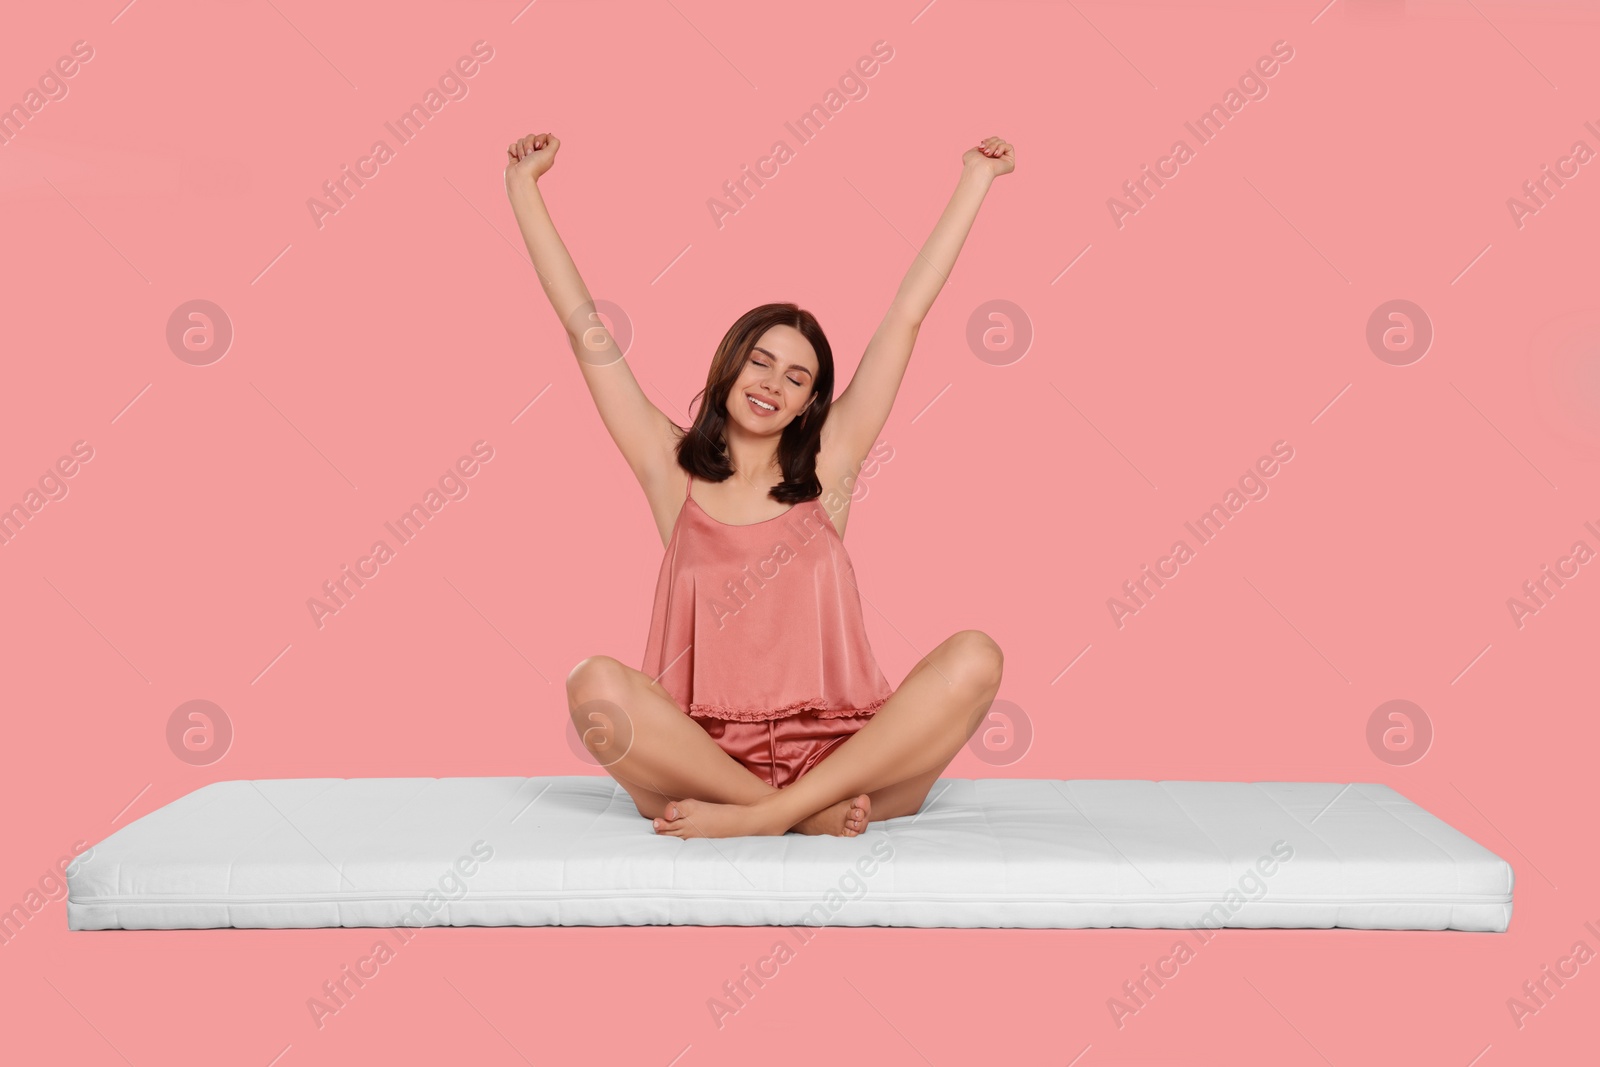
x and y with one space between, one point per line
702 818
847 818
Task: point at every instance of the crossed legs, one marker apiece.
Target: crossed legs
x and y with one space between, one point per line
659 755
682 780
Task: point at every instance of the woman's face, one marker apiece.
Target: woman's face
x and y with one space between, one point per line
776 383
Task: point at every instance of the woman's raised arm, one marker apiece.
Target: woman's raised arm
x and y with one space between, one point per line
643 433
856 418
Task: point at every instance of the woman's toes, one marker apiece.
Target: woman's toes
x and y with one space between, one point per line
679 815
670 820
864 804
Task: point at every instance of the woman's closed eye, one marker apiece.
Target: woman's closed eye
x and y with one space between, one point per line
758 363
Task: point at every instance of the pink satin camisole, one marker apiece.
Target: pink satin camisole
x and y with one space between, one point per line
761 621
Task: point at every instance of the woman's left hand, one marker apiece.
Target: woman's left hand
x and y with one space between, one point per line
993 155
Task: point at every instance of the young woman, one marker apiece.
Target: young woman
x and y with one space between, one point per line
760 708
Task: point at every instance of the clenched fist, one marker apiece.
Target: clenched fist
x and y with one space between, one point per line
530 157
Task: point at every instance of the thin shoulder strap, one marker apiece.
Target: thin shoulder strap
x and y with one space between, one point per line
687 486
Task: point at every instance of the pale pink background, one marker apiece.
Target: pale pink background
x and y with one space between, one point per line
1228 314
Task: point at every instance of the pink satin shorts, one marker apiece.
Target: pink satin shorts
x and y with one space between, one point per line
780 751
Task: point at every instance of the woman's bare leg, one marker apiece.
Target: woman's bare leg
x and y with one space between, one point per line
902 798
917 732
658 754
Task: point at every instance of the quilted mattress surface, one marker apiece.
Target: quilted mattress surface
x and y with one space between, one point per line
988 852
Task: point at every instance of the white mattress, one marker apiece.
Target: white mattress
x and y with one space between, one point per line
988 852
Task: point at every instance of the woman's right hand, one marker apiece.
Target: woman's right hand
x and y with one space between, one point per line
530 157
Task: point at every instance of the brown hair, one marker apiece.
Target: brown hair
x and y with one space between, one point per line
703 450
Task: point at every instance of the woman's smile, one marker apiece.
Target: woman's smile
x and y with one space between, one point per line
756 405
